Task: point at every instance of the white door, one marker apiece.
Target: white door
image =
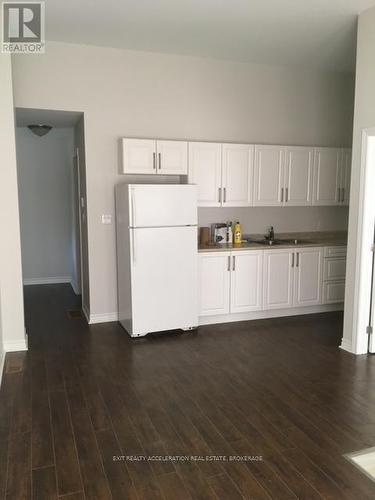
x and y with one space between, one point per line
172 157
237 175
345 175
164 279
246 281
156 205
327 175
269 176
308 277
138 156
205 171
278 275
214 283
298 176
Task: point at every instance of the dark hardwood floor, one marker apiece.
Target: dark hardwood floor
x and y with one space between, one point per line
82 398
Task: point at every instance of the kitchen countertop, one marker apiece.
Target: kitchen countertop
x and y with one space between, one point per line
312 239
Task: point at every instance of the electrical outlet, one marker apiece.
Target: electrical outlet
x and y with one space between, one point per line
106 219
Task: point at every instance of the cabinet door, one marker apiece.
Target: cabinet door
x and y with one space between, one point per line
205 171
246 281
298 176
345 175
138 156
278 279
333 292
214 283
268 176
327 175
237 175
308 277
172 157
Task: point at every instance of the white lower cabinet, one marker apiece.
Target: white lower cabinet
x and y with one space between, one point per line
246 281
308 277
278 275
230 282
214 283
292 278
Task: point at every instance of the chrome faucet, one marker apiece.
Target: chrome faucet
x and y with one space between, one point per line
271 234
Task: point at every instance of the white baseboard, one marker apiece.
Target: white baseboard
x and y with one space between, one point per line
346 345
15 345
277 313
75 287
103 318
47 281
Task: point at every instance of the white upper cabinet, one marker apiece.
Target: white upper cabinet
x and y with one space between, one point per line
149 156
172 157
346 166
214 283
327 176
278 276
298 176
205 171
308 264
237 175
246 281
139 156
268 176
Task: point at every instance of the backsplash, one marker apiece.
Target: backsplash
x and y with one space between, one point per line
285 219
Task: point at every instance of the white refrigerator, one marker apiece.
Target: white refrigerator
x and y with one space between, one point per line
157 257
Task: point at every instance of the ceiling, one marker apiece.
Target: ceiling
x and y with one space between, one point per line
57 119
314 33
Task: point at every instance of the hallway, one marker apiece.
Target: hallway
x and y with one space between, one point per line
84 396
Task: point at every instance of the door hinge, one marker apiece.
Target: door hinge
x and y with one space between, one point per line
369 330
373 247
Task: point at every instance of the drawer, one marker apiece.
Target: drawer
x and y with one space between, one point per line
335 252
333 292
334 269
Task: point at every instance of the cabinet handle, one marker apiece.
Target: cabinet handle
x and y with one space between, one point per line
297 265
228 268
343 195
339 194
234 263
286 194
159 161
282 194
219 195
225 195
154 161
293 259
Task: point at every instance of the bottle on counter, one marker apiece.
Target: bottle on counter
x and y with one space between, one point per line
237 237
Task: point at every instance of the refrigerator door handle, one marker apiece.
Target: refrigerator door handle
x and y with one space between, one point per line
133 247
132 203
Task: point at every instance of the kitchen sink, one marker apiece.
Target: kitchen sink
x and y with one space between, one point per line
278 241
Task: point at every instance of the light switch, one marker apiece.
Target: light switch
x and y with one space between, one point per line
106 219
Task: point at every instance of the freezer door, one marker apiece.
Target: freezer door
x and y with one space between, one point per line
164 279
162 205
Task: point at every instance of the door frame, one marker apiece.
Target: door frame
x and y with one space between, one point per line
358 290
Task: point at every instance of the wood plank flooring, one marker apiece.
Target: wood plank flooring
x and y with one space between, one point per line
88 397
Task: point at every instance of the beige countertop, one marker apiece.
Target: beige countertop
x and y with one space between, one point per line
308 239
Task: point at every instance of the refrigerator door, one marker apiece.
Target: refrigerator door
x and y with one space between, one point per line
162 205
164 279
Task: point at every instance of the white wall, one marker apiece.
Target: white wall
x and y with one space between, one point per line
287 219
45 183
128 93
2 353
11 292
364 117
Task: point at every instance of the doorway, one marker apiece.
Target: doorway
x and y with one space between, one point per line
52 199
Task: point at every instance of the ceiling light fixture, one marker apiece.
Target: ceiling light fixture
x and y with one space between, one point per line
39 130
